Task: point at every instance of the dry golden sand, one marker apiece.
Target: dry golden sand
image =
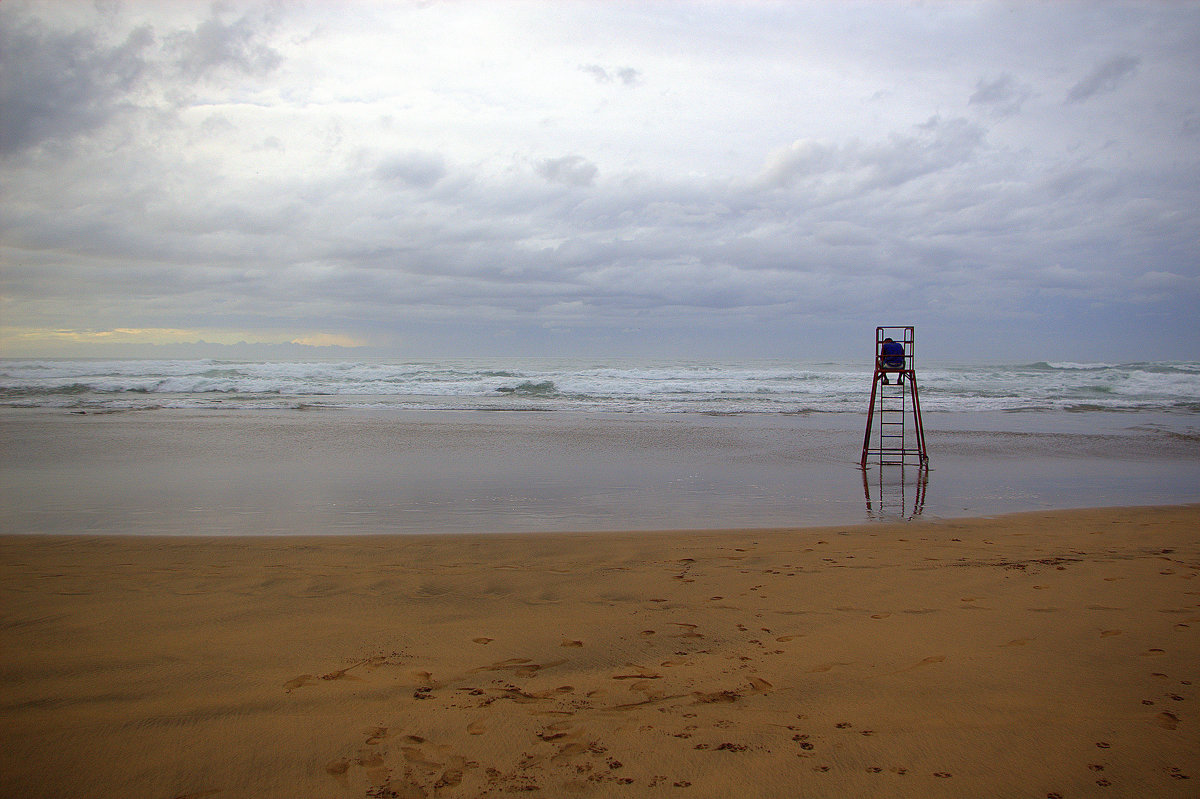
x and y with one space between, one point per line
1044 654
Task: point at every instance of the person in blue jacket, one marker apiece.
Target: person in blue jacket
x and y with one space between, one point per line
891 356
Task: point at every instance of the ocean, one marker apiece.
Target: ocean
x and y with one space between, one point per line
589 385
207 447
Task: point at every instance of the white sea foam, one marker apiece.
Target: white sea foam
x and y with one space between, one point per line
637 387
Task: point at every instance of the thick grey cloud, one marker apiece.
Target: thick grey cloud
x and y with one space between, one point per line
1004 95
759 179
627 76
1104 78
414 168
215 45
55 84
573 170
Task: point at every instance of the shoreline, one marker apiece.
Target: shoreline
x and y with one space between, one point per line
379 472
869 528
1036 654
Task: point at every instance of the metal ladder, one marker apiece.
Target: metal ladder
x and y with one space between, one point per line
897 404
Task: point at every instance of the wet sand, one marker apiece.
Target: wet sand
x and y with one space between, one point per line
1040 654
179 472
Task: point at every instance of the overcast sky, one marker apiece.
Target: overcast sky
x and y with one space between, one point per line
678 179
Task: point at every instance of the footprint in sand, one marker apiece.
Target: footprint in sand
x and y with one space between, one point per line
558 731
1167 720
639 674
417 757
688 631
426 680
476 728
483 640
520 666
344 674
449 779
571 643
932 659
298 682
824 667
716 697
1109 633
368 759
1017 642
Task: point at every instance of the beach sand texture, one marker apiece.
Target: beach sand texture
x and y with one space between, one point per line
1043 654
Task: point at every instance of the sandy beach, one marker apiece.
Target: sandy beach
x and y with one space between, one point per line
1041 654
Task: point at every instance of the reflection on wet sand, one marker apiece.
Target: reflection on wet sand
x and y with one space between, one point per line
895 491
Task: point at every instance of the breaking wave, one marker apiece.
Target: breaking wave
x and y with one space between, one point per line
620 386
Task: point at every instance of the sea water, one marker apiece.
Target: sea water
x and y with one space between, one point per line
376 446
589 385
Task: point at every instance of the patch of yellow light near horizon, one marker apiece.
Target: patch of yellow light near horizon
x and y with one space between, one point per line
26 336
132 335
328 340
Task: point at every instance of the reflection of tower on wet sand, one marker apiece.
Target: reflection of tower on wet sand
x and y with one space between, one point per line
895 491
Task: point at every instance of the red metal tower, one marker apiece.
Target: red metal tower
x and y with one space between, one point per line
896 403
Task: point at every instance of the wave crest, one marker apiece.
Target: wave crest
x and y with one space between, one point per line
529 388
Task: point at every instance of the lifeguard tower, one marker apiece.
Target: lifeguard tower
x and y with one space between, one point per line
895 409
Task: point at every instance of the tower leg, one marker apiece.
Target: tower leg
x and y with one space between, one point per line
870 415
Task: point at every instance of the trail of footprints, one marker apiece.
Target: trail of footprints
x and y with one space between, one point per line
550 743
551 747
